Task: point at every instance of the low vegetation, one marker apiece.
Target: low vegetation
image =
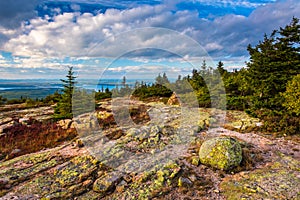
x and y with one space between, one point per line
22 139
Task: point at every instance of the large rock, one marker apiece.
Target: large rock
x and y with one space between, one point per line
173 100
65 124
222 153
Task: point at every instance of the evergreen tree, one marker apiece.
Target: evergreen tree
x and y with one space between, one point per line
63 108
165 79
159 80
124 81
221 69
179 78
272 64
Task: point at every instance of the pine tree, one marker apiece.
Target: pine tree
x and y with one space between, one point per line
221 69
63 108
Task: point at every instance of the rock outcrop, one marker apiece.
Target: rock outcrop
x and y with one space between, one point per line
173 100
277 180
165 158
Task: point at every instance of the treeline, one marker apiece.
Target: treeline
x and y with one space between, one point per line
32 102
268 88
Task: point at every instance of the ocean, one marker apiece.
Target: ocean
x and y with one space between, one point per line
40 88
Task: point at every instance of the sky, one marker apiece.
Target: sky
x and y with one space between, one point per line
139 39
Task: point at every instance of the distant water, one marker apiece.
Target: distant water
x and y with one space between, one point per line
40 88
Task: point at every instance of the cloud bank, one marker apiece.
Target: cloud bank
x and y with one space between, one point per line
61 34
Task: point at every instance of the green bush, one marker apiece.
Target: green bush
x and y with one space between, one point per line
16 101
279 123
237 102
103 95
292 96
156 90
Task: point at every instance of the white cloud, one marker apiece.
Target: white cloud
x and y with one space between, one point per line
73 35
75 7
77 35
213 46
146 71
232 3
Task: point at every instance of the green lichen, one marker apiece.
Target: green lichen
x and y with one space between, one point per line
29 167
65 181
105 183
154 182
76 170
29 159
278 181
195 160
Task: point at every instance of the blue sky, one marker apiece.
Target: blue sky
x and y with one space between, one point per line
38 39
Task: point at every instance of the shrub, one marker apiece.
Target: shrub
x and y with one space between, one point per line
156 90
292 96
279 123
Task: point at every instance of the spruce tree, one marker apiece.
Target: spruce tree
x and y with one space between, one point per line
273 62
159 80
63 108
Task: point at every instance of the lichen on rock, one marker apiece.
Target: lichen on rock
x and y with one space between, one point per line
107 182
221 153
278 180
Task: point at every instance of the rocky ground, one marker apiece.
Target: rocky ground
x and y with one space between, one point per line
151 151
